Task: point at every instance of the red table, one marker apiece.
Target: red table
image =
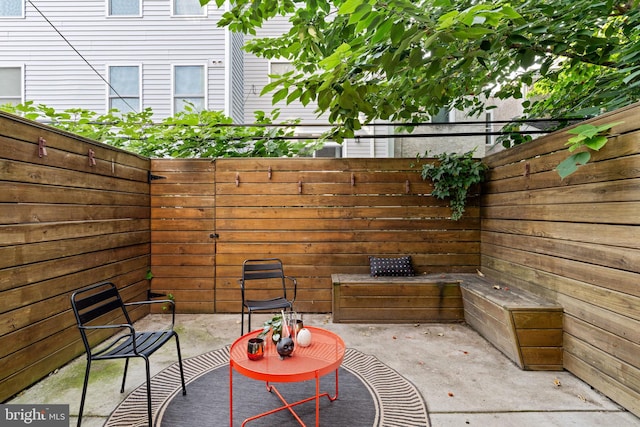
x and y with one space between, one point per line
324 355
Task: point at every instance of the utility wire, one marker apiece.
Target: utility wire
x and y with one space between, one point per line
80 55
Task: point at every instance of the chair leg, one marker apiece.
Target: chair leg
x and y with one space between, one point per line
84 391
124 376
242 321
249 323
148 368
184 388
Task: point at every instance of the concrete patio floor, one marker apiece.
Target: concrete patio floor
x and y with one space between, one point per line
464 380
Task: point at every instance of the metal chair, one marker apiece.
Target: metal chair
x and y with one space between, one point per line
99 307
266 271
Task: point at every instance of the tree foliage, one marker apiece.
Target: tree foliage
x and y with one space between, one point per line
403 60
188 134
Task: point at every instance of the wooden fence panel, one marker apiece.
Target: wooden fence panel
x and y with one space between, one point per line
72 212
576 242
325 216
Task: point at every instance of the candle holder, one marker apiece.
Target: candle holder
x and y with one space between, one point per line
255 348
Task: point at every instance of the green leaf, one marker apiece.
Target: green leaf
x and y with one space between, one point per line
586 130
570 164
279 95
596 143
349 7
333 60
382 31
397 32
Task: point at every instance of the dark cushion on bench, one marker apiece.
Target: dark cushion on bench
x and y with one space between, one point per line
399 266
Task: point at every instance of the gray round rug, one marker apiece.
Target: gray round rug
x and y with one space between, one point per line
371 394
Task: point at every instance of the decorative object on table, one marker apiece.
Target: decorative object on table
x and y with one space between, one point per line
303 339
255 348
285 345
273 325
297 325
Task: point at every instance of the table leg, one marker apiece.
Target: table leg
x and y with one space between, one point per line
318 400
289 406
230 393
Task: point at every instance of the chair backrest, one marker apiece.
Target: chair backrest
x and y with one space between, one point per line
261 269
93 302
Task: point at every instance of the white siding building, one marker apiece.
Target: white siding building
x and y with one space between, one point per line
137 54
153 52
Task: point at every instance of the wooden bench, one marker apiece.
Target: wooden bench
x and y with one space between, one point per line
360 298
523 326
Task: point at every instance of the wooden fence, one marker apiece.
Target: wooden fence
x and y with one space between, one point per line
72 212
576 242
319 216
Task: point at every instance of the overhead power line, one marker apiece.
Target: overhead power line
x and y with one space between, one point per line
79 54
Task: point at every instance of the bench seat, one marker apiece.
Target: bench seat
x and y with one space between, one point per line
361 298
525 327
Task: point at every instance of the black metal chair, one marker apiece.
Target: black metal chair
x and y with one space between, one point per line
265 272
99 307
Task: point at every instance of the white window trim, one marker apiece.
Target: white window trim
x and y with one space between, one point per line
22 81
108 15
204 14
21 16
173 83
108 89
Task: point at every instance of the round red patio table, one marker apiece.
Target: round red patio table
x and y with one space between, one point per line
324 355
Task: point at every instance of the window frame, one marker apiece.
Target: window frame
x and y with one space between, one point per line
205 85
489 140
330 145
204 10
450 116
276 61
22 12
22 85
109 15
140 91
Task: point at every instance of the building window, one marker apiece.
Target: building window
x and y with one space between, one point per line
188 8
124 8
279 68
443 116
488 127
329 150
10 85
124 92
188 87
11 8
